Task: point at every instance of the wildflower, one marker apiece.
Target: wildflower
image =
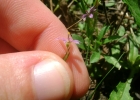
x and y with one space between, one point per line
67 42
89 13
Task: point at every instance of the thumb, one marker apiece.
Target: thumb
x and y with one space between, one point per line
34 75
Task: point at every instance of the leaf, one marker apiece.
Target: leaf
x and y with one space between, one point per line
133 52
121 92
77 37
134 8
138 38
95 57
87 41
102 32
121 31
109 3
113 61
81 26
137 62
111 39
89 2
115 50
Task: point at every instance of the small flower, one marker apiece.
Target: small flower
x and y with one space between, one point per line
89 13
69 40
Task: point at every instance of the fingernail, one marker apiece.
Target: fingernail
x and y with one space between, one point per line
51 80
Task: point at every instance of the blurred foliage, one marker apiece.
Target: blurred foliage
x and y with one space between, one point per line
109 43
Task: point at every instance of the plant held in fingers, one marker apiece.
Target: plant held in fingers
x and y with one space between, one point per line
67 42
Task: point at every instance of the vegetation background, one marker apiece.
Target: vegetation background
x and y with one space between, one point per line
109 35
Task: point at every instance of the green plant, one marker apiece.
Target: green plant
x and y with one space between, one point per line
109 38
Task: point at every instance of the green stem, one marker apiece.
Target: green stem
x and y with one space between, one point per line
66 56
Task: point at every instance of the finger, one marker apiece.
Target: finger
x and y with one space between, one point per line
23 28
35 28
34 75
5 47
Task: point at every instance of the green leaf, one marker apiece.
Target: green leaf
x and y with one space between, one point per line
137 62
109 3
81 26
113 61
82 6
138 38
102 32
133 52
78 37
87 41
115 50
121 31
121 92
111 39
95 57
134 8
89 2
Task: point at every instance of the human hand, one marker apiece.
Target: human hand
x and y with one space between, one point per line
31 64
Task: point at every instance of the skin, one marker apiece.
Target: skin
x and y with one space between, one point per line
28 33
